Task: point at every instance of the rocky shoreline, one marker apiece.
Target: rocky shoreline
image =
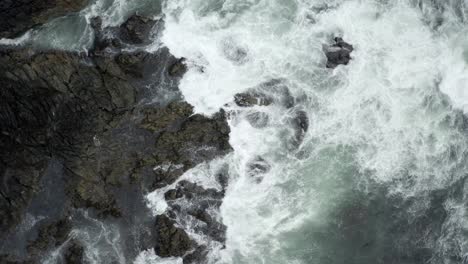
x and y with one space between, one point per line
83 123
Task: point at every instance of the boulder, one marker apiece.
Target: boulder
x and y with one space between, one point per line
338 53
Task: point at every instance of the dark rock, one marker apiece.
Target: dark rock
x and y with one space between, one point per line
258 166
251 99
50 236
191 190
170 117
195 140
172 195
195 201
178 68
18 16
82 110
171 241
300 124
137 29
73 252
265 94
338 53
198 256
222 176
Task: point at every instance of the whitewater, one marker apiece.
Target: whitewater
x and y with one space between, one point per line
377 175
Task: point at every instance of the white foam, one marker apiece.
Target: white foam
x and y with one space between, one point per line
150 257
385 105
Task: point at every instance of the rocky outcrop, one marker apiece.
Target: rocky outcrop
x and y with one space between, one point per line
338 53
18 16
172 241
178 68
86 111
137 29
50 236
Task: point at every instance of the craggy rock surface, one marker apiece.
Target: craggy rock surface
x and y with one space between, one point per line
18 16
88 113
137 29
338 53
172 241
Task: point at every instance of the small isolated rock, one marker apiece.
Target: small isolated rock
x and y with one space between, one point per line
248 99
338 53
178 69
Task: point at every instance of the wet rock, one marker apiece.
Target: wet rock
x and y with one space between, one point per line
170 117
250 99
105 42
18 16
265 94
73 253
195 201
83 110
50 236
196 140
338 53
191 190
258 166
300 125
197 256
222 177
234 52
212 228
171 241
173 194
137 29
178 68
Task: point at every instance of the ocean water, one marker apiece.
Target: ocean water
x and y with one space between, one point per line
378 176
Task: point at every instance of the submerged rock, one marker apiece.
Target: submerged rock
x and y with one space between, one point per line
265 94
250 99
300 125
338 53
18 16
